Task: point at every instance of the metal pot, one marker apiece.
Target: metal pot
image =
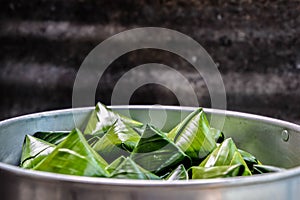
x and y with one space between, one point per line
273 142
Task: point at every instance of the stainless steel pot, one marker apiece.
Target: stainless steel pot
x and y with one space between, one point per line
273 141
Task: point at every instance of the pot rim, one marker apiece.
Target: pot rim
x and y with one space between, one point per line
217 182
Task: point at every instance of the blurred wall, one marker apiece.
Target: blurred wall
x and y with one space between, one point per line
255 44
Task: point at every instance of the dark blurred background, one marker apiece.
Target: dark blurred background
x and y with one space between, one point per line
256 45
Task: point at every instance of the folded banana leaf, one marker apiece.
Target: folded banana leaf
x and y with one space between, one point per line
115 164
261 169
225 154
218 135
93 139
249 159
103 118
75 157
217 171
34 151
156 153
138 151
128 169
119 140
179 173
172 134
194 136
53 137
140 130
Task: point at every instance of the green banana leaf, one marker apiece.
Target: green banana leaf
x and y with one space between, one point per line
218 135
93 139
261 169
172 134
217 171
128 169
225 154
34 151
75 157
156 153
119 140
179 173
249 159
115 164
138 151
53 137
103 118
194 136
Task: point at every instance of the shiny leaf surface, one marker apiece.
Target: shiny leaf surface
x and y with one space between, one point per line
128 169
34 151
115 164
193 136
217 171
119 140
103 118
261 169
75 157
225 154
53 137
179 173
156 153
